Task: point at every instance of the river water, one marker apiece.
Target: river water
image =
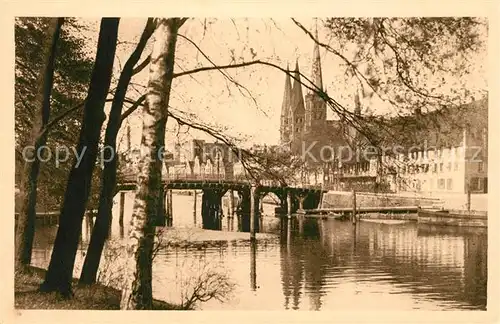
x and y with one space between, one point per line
315 264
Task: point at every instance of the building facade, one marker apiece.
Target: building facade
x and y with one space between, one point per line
443 151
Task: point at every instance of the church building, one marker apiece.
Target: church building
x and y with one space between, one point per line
304 128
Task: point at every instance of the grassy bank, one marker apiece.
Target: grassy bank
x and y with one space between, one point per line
95 297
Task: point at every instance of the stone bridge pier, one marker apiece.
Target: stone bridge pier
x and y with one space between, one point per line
293 199
164 214
244 209
211 208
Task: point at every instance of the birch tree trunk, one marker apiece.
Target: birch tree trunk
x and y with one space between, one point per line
60 272
26 222
103 220
137 292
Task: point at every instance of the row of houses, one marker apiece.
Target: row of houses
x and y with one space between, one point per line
451 157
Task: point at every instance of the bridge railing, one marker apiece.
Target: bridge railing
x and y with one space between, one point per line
218 177
240 178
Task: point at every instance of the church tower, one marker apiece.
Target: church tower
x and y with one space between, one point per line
285 111
296 117
354 135
315 112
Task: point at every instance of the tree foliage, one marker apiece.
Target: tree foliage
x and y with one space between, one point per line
408 62
71 78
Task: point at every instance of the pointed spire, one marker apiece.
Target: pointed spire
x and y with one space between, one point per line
316 76
286 94
297 96
285 108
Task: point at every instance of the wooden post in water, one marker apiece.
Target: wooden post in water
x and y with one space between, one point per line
468 197
168 217
170 207
320 204
231 204
289 204
194 206
301 202
252 212
288 223
253 265
353 206
122 207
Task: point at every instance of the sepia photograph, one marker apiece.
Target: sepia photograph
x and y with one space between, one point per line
253 164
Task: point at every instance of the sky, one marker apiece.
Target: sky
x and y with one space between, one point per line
214 100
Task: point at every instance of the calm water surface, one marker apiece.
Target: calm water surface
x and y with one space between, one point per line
320 264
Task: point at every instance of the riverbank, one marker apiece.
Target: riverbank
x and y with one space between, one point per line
445 200
95 297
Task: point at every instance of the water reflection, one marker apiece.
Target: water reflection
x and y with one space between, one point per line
316 264
447 268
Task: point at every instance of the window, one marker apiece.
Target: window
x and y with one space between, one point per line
449 184
474 184
434 168
418 185
448 167
440 167
456 166
480 167
441 184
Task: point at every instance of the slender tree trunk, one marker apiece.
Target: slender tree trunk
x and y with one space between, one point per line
103 221
27 216
137 292
60 272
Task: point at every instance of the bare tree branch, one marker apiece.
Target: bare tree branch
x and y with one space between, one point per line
56 119
182 21
131 109
141 65
354 68
399 62
239 86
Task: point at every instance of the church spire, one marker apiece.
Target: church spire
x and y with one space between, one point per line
316 76
285 106
285 109
297 96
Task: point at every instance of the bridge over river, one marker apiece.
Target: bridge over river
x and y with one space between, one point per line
214 187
